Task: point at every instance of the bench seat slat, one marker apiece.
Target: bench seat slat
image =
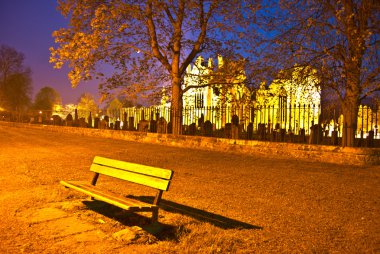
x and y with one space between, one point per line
119 201
133 167
146 180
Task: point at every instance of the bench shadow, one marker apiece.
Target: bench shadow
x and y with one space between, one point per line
198 214
126 218
159 230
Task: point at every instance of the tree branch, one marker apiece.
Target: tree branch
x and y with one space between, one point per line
368 93
202 35
153 38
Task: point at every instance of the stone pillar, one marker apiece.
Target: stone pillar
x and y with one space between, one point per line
89 120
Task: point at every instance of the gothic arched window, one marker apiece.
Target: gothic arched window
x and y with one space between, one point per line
199 103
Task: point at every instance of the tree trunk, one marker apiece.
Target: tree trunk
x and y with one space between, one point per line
176 106
350 117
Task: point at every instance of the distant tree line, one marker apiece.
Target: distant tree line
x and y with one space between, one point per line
16 92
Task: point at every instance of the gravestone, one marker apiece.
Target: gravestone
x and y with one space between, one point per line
201 122
227 130
161 125
142 115
57 120
301 136
170 126
235 120
282 135
185 129
69 120
235 127
143 126
192 129
261 130
274 135
153 126
234 131
125 126
117 125
208 128
107 119
334 138
96 122
291 136
82 122
131 121
125 121
103 124
250 131
76 120
152 122
370 138
315 134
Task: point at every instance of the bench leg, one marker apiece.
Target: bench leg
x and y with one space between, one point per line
93 182
155 215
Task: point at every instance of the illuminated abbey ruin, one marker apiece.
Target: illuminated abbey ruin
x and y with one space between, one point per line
285 104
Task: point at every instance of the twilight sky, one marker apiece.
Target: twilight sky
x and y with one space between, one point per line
27 26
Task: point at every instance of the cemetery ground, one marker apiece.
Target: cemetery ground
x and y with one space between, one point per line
217 203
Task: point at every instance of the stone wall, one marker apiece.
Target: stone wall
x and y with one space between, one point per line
317 153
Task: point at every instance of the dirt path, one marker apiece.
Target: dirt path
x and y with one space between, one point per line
218 202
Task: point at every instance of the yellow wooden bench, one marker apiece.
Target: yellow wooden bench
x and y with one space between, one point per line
157 178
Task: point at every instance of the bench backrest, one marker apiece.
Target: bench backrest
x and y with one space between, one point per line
157 178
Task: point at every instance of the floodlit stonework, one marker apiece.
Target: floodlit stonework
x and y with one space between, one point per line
290 101
205 88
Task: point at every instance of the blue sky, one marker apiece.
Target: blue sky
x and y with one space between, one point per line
27 26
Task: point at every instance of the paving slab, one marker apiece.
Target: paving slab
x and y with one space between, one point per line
46 214
63 227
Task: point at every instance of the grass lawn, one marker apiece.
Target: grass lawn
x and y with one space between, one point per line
217 203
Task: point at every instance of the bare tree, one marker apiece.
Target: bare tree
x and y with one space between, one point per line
339 39
11 61
147 42
15 81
